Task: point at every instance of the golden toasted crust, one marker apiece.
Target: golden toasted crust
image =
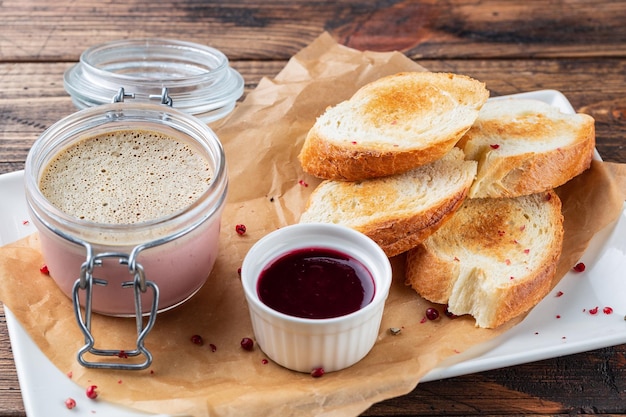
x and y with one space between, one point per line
338 162
421 263
550 148
398 211
493 259
398 235
520 298
392 125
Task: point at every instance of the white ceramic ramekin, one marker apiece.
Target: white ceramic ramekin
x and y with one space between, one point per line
303 344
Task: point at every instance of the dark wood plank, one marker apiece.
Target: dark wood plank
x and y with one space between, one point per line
570 385
33 97
58 31
10 396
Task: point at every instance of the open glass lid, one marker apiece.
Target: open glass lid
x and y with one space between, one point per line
197 79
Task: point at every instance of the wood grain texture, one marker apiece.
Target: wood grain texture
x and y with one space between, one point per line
10 394
545 388
575 46
33 98
59 31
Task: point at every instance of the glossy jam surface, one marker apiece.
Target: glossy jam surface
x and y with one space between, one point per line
316 283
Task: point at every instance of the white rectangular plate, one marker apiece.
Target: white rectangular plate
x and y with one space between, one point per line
557 326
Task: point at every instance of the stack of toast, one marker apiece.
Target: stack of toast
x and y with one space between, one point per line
427 166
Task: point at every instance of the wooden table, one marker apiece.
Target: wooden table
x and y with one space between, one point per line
575 46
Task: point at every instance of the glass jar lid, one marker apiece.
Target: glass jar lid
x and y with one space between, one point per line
198 78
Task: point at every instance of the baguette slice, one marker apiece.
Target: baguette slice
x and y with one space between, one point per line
494 259
527 146
392 125
399 211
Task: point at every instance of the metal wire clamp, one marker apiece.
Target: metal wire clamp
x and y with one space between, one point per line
140 285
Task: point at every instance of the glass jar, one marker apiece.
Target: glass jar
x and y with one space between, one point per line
198 78
128 269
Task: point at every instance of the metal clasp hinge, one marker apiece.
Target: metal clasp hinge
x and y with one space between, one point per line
164 97
139 285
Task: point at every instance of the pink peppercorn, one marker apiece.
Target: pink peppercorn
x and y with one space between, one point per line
432 313
70 403
91 392
247 343
196 339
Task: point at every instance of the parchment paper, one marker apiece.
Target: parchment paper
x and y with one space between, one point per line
268 190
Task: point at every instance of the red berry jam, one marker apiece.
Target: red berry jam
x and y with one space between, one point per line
316 283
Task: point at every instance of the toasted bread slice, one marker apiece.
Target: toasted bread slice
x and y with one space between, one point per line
493 259
399 211
526 146
392 125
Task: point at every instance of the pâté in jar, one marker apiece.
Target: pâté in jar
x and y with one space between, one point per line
127 196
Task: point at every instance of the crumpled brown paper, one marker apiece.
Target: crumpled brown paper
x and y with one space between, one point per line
268 190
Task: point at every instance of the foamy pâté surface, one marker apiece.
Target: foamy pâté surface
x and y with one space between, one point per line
125 177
